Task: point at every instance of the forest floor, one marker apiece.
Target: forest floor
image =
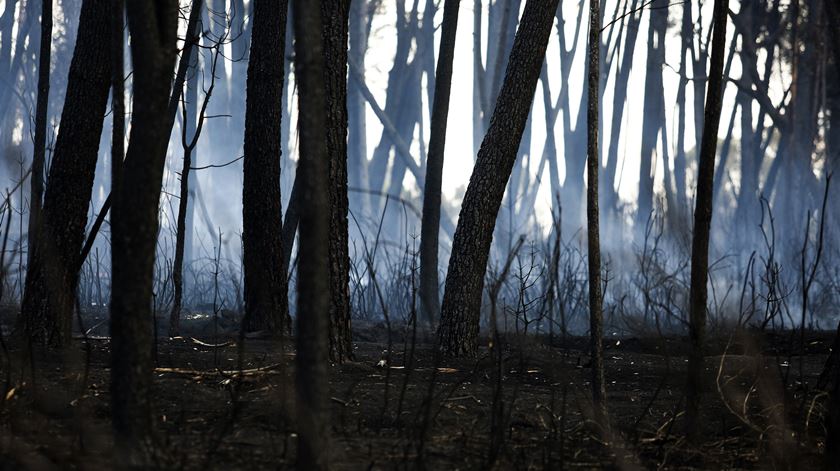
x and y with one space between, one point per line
522 406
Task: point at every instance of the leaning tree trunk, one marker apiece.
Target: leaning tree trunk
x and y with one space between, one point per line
461 308
313 282
266 289
593 162
430 226
134 227
698 292
49 294
335 18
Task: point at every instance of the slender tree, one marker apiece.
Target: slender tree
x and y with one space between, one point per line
192 120
461 308
335 22
52 275
313 281
593 162
430 225
698 291
134 227
36 193
266 291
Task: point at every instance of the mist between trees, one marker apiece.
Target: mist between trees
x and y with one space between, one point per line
494 186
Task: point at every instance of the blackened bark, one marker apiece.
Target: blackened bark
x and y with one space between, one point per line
335 22
430 226
703 218
184 62
313 282
189 139
266 290
593 163
49 294
36 193
134 227
461 308
117 92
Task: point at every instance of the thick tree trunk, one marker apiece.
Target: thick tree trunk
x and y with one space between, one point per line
461 308
313 304
593 164
134 227
430 226
703 218
49 295
266 289
335 22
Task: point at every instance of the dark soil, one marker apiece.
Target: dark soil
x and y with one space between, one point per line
756 412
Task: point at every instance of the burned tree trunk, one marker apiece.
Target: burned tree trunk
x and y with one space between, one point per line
335 22
461 308
134 227
36 193
430 226
49 295
189 139
313 282
266 291
117 92
703 218
593 163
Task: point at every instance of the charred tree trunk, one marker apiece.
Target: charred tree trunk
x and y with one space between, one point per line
266 290
313 281
117 92
36 193
335 23
430 226
703 218
188 134
49 295
461 308
134 227
593 163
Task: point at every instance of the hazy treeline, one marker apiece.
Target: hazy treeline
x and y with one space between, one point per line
776 147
